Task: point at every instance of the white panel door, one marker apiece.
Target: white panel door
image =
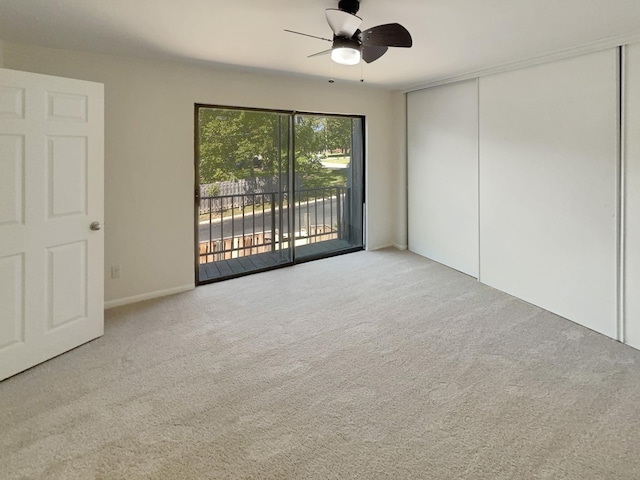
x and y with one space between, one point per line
51 190
442 143
632 200
548 187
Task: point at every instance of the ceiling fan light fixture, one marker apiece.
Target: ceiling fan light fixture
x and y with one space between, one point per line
346 51
346 55
350 44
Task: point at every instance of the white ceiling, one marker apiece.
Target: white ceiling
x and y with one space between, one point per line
451 37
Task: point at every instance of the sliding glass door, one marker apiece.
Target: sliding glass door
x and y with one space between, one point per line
329 189
274 188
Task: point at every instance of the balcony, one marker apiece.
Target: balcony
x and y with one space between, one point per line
247 232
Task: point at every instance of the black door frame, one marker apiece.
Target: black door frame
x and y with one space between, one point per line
291 186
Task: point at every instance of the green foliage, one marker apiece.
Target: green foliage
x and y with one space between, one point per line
309 136
339 133
211 190
237 144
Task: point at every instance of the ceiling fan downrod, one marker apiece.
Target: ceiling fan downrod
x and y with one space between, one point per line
349 6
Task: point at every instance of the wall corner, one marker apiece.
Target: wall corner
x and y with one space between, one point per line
399 151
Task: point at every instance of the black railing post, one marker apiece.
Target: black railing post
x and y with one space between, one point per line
253 220
233 227
264 223
299 210
338 211
221 228
324 208
242 249
331 211
273 222
315 213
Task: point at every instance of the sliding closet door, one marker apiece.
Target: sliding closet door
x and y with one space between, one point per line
632 203
442 126
548 187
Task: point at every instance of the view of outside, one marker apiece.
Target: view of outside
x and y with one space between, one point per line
245 183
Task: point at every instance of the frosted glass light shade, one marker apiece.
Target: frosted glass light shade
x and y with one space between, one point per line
346 55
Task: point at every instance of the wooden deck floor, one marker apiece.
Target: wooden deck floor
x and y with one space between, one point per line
262 261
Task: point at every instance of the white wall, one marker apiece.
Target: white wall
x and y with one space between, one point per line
548 187
399 156
149 165
632 204
443 174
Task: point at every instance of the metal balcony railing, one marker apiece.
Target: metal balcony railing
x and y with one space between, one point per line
245 224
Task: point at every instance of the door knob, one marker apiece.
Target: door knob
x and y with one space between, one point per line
95 226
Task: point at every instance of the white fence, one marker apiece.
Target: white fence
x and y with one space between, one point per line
240 193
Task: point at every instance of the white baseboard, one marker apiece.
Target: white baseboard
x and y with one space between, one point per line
388 245
379 247
147 296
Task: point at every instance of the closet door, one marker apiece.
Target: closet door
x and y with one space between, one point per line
548 186
632 200
442 129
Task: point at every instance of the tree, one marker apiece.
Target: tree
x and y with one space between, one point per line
309 136
237 144
339 134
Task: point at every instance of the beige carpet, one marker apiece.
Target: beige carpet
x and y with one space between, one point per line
374 365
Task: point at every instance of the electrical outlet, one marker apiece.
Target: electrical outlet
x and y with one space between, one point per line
115 271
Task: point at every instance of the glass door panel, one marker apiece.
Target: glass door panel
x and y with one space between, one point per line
242 192
329 183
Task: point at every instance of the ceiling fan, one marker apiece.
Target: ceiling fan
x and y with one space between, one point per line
350 45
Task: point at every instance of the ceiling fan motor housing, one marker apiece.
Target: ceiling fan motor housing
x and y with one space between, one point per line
350 6
345 42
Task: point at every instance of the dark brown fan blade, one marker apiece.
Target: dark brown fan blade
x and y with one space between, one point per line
372 53
388 35
324 52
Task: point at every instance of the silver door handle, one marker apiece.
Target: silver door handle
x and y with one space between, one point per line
95 226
